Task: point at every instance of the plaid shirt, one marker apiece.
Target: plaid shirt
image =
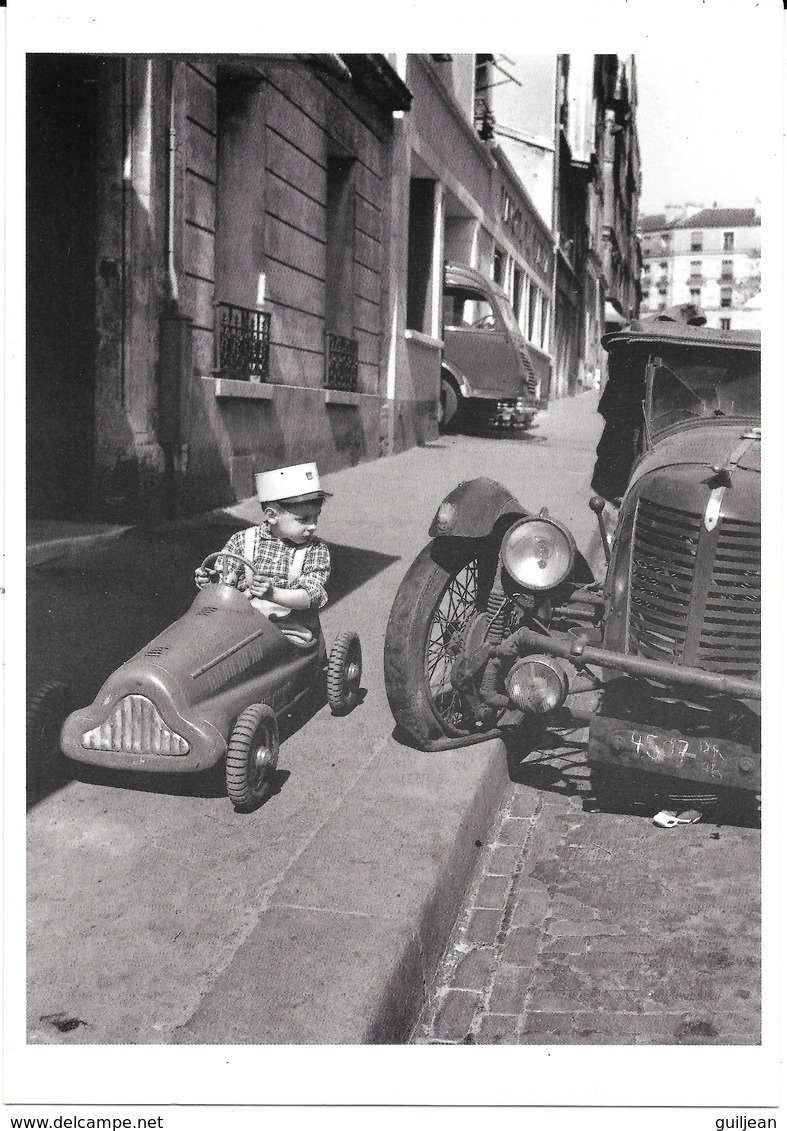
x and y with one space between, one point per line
273 558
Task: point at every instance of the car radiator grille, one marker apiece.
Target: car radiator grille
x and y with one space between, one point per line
663 588
135 727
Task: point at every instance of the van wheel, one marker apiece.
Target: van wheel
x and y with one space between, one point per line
252 756
449 404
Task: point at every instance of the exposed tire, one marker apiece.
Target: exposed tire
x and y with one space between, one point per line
252 756
442 593
449 404
344 673
46 712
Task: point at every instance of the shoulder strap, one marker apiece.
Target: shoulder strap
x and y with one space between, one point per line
248 542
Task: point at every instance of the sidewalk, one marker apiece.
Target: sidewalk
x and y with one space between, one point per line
352 916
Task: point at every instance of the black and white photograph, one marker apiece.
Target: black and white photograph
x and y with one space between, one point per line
391 426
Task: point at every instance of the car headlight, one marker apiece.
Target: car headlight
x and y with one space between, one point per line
538 552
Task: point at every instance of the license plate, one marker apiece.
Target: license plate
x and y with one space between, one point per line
715 760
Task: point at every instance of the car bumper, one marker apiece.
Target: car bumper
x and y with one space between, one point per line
714 761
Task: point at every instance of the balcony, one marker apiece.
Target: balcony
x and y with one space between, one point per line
341 363
242 342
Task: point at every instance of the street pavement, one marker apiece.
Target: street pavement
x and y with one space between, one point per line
153 907
583 926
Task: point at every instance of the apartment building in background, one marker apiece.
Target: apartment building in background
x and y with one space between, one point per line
707 256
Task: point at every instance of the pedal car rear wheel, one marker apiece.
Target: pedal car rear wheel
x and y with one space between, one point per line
344 673
252 756
46 712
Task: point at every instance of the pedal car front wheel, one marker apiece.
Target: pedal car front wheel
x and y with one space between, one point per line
344 673
252 756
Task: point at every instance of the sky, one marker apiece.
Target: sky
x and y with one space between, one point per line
703 137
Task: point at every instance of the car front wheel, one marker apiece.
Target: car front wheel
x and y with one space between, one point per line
252 756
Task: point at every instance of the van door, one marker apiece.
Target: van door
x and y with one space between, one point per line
478 344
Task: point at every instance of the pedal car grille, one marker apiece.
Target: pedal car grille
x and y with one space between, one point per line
135 727
665 584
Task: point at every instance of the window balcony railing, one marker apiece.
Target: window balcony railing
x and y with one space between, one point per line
341 363
695 280
243 339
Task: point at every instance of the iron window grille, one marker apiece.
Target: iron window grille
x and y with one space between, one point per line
243 339
341 363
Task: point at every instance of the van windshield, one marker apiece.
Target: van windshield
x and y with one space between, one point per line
465 309
702 384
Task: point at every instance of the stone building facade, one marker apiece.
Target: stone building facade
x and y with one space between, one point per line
235 263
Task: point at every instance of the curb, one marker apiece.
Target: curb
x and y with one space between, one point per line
347 955
72 546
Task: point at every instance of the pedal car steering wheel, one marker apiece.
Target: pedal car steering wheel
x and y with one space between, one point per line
247 565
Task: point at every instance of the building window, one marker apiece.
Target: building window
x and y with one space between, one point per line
663 291
694 293
517 289
726 269
664 241
339 247
696 268
241 328
532 320
341 363
726 298
696 241
725 323
499 266
729 241
242 342
420 256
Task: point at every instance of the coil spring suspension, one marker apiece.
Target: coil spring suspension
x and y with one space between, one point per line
494 634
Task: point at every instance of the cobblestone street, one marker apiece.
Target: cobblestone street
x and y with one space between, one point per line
589 927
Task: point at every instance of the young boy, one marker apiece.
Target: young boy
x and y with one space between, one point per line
291 566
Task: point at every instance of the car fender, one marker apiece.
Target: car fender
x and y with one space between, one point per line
478 505
458 378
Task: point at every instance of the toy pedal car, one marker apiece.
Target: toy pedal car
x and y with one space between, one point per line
211 686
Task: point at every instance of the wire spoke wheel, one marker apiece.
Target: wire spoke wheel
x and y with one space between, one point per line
450 621
439 602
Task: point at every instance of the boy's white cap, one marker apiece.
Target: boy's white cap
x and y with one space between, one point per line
299 483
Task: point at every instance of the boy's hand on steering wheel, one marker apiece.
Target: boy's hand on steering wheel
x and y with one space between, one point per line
261 586
203 577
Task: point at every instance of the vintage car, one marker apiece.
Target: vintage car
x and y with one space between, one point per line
500 620
487 373
211 686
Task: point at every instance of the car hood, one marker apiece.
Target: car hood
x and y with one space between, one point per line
685 468
709 446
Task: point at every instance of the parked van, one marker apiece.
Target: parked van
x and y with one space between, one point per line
487 374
